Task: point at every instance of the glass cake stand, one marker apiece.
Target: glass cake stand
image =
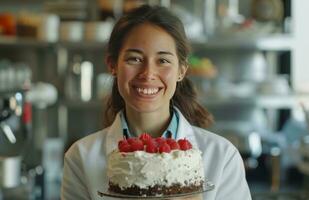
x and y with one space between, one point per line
207 186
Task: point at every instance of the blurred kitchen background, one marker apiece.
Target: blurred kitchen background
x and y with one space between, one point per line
250 63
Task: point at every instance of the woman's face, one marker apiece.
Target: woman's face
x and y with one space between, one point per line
148 69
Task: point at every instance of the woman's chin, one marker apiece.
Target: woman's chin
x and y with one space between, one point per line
145 108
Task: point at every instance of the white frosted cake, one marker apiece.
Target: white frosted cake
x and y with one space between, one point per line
146 166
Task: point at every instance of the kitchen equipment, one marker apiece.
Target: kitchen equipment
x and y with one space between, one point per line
10 171
98 30
15 118
79 81
72 31
30 187
209 18
42 94
8 132
275 85
12 134
193 24
235 65
7 25
267 10
68 9
49 28
14 76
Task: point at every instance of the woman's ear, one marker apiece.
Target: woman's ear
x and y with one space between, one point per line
182 72
111 65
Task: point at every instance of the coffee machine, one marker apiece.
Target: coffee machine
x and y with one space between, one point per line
17 139
15 116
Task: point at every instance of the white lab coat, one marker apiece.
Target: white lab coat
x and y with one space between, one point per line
85 163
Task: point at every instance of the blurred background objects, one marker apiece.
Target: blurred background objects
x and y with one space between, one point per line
249 63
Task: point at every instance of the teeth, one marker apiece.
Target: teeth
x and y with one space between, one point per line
147 91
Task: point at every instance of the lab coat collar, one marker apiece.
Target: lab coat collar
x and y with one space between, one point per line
115 132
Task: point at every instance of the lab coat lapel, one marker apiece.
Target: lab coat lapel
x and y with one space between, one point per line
185 129
114 134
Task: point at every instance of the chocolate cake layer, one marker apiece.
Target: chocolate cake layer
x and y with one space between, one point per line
156 190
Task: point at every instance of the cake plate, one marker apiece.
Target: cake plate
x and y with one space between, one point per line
207 186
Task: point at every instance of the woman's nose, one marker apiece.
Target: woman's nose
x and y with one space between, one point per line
147 72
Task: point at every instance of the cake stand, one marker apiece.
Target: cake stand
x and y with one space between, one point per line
207 186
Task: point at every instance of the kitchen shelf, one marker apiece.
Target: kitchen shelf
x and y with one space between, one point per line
22 1
274 101
277 42
12 91
23 42
34 43
89 45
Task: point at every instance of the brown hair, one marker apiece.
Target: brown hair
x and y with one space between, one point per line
185 97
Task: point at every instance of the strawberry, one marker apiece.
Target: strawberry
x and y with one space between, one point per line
130 140
160 140
164 147
174 146
137 145
122 142
172 143
151 148
184 144
125 148
145 137
151 142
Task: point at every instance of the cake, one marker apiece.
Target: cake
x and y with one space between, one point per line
154 167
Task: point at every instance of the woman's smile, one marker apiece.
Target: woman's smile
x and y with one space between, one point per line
148 92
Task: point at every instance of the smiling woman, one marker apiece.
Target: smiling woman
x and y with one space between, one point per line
147 71
152 51
147 54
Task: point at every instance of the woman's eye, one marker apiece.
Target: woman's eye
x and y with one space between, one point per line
133 60
164 61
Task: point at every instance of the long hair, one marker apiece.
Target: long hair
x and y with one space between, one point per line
185 97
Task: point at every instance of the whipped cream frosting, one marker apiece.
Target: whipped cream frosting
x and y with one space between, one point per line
148 169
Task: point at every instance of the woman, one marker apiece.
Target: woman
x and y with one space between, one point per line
147 55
